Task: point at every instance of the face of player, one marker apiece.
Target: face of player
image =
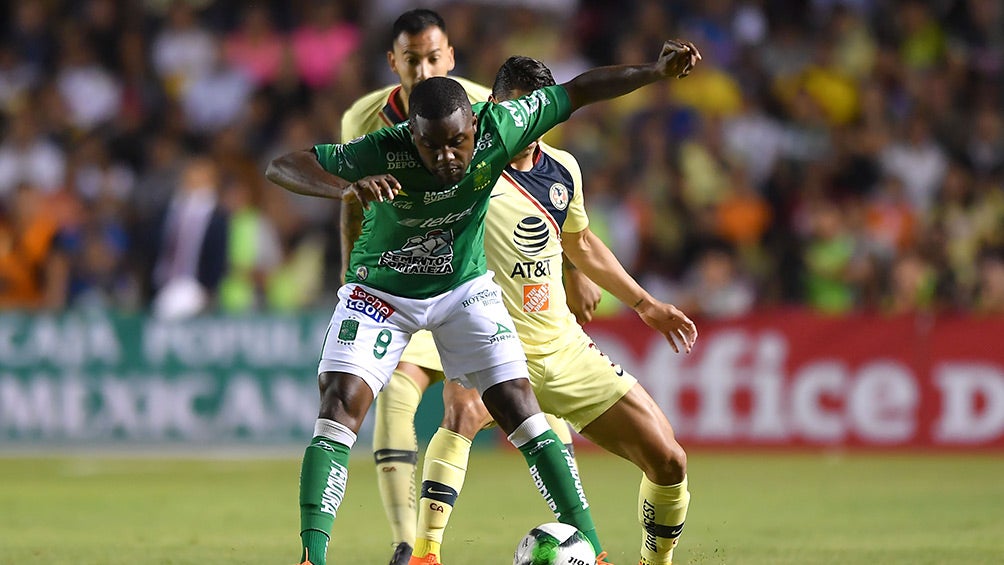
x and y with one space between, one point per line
446 146
417 57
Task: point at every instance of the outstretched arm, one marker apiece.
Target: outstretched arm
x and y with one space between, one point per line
302 173
677 59
595 259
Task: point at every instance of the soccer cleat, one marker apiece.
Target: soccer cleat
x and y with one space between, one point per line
601 559
402 554
429 559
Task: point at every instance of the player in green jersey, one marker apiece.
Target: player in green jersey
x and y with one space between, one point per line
419 264
420 49
536 212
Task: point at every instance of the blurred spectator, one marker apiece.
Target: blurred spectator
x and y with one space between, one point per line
27 157
890 220
923 40
191 244
912 285
16 79
215 97
93 175
255 47
93 243
985 148
742 216
323 42
832 262
183 49
92 94
30 277
713 287
253 251
990 293
918 161
31 33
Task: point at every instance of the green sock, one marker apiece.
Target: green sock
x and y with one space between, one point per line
322 486
553 470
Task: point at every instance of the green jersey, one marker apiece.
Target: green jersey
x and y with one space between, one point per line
430 238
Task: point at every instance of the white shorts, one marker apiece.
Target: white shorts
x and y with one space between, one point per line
471 327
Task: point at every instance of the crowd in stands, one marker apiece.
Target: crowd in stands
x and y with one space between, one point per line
843 155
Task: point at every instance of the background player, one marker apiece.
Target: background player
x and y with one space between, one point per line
446 148
420 49
536 212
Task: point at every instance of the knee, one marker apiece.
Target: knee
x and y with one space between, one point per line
466 416
400 394
668 466
344 398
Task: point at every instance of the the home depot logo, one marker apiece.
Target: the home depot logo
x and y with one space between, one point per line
536 297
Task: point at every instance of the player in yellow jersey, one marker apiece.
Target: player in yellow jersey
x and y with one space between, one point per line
536 212
420 50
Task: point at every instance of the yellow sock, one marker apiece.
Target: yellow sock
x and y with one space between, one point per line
442 480
395 452
662 511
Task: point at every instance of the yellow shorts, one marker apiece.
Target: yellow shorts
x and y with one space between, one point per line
577 382
421 351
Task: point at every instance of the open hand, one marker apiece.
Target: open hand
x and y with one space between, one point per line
678 58
375 188
668 320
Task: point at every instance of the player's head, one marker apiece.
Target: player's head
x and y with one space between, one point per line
419 48
516 77
443 127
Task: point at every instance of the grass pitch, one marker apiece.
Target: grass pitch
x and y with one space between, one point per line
747 509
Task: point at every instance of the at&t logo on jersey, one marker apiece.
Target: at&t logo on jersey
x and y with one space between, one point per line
531 269
530 235
371 306
429 254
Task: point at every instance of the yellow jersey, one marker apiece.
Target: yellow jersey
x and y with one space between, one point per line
528 212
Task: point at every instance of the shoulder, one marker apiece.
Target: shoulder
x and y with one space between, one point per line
476 92
371 103
365 109
563 158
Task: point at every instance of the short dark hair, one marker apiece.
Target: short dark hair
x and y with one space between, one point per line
437 97
520 73
416 21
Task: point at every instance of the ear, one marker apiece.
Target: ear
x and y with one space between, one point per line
474 120
391 62
453 61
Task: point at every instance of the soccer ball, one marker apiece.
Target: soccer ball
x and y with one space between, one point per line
554 544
